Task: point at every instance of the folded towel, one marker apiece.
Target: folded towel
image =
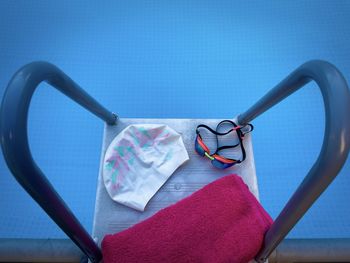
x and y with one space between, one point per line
222 222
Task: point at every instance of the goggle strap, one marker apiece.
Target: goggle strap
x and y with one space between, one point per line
240 136
233 146
226 121
226 147
250 130
212 131
236 128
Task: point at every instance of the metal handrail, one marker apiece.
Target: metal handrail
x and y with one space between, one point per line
14 142
334 151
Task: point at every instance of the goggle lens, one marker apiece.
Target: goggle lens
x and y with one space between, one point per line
199 149
218 164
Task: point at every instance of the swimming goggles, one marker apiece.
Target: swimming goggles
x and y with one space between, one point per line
216 159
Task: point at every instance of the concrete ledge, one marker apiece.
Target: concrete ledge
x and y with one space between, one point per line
312 250
64 250
39 250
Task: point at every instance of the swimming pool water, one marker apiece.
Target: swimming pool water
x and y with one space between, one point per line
198 59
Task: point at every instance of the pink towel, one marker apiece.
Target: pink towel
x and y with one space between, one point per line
222 222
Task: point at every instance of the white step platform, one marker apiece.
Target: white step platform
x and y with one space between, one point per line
111 217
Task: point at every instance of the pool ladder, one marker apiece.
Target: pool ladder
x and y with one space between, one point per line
334 151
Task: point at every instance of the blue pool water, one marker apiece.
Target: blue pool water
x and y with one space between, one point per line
198 59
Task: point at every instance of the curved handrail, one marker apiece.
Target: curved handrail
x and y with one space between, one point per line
14 142
336 142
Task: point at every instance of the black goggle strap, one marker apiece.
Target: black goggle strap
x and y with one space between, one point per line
211 130
240 136
217 141
241 128
251 128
